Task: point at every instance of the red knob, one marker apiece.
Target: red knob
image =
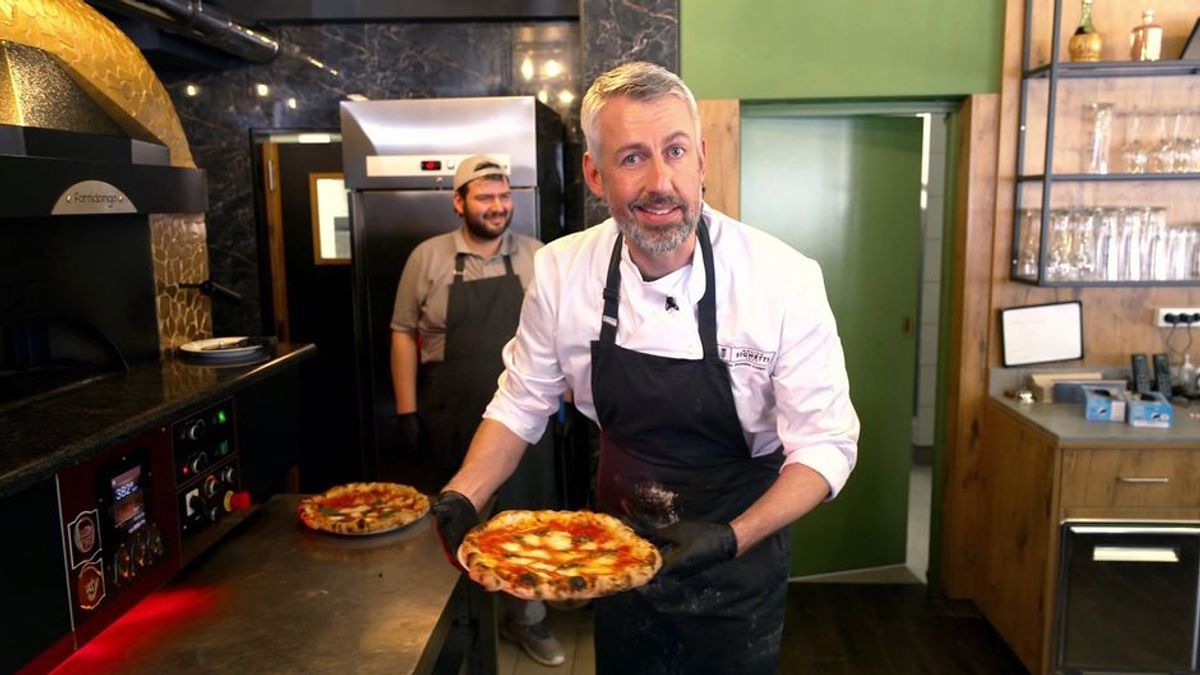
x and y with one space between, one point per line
240 500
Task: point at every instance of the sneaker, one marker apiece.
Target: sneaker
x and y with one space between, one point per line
536 640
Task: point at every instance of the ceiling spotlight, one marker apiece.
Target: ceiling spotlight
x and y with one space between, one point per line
291 103
262 90
527 68
565 97
552 68
191 90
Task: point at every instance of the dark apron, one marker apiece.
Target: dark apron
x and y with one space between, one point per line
481 317
672 448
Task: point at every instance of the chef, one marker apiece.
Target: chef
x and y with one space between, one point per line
707 353
461 293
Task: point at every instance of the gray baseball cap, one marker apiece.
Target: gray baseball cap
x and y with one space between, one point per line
470 168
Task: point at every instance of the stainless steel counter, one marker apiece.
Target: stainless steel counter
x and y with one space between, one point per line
278 598
1066 422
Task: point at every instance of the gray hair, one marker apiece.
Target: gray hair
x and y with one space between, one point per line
638 81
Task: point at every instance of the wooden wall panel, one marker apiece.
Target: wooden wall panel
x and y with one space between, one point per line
971 279
720 127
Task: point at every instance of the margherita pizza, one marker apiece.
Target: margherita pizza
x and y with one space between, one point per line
363 508
557 555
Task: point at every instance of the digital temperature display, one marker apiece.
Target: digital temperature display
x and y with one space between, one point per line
128 505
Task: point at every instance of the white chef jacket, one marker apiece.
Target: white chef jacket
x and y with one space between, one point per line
774 330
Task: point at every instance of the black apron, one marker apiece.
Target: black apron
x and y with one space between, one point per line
481 316
672 448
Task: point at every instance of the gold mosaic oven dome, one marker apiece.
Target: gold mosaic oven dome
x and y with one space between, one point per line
99 58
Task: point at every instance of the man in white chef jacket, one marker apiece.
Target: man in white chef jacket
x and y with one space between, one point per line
707 353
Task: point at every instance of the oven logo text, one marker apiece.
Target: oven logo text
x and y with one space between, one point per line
92 196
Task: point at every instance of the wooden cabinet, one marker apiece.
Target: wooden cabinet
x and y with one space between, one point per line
1032 481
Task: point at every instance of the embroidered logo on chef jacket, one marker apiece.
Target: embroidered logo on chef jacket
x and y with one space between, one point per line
746 356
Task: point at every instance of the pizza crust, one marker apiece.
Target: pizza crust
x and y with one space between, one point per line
363 508
557 555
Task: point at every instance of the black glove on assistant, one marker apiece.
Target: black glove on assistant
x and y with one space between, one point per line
409 429
690 546
455 515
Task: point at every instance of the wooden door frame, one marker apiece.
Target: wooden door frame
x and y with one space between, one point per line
273 199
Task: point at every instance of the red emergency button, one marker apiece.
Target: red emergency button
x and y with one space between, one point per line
237 500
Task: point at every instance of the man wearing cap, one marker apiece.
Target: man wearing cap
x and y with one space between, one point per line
461 293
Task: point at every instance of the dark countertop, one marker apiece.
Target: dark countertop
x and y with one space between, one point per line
47 434
1065 421
278 598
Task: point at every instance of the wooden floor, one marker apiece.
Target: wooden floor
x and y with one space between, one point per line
858 629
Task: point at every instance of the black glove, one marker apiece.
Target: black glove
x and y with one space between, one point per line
408 427
690 546
455 516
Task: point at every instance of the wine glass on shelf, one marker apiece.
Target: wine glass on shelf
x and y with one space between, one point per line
1058 255
1154 244
1193 143
1108 244
1162 147
1130 244
1134 152
1180 143
1083 244
1031 243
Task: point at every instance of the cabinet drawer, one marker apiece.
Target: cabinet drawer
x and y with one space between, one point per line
1111 477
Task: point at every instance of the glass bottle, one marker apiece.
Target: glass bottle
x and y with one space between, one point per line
1086 43
1145 40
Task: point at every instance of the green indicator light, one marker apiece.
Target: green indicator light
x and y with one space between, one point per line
224 447
221 417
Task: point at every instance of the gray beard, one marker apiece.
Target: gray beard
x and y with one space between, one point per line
658 241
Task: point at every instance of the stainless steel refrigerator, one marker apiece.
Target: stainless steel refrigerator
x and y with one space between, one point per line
399 159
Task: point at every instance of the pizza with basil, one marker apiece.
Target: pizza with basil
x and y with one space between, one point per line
363 508
557 555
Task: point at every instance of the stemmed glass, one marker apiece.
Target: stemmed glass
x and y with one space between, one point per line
1031 243
1162 149
1134 152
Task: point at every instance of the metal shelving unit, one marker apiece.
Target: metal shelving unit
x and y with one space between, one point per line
1054 71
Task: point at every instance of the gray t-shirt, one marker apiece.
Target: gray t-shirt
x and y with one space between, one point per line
424 289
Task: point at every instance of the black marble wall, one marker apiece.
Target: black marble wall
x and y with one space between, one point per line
393 60
614 31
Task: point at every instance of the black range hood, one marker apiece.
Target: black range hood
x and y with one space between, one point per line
49 172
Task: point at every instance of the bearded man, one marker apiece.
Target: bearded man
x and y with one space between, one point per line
461 293
707 353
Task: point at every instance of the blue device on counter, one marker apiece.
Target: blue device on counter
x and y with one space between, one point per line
1103 403
1149 410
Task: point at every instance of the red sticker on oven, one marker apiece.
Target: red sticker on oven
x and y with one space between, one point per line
89 585
85 537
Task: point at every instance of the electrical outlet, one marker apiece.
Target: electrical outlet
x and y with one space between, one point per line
1160 316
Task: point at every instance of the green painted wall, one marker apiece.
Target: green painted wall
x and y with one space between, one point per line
812 49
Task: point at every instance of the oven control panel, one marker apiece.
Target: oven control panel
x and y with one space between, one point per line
120 528
208 481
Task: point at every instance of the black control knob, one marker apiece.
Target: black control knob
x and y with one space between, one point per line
197 505
228 475
210 485
213 513
195 430
198 462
